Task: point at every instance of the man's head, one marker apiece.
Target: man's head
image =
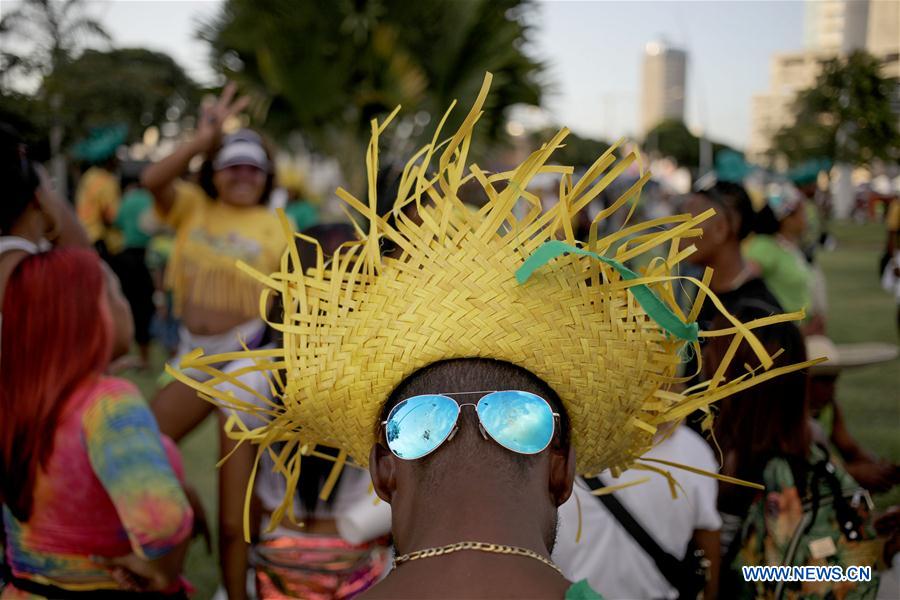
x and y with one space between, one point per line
471 472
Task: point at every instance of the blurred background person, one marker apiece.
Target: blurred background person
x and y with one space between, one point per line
765 436
217 223
817 203
138 222
613 561
874 474
84 473
32 216
889 264
298 204
99 193
776 253
755 426
164 325
720 247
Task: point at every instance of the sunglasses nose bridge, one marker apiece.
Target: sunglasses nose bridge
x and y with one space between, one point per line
477 419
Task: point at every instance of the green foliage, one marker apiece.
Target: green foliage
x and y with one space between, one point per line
133 86
846 115
326 69
579 152
672 138
22 112
53 30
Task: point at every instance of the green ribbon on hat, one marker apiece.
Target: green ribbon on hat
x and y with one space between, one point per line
655 308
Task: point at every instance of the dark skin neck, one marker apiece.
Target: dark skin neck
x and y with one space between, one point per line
471 575
496 517
727 264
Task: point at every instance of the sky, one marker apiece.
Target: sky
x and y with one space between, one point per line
593 49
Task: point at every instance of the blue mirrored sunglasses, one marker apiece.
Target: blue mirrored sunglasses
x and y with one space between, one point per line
518 421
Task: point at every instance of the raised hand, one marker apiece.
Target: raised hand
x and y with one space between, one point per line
214 114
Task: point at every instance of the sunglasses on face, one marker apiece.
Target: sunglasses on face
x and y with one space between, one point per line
519 421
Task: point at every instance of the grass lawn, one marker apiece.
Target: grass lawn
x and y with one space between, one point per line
858 311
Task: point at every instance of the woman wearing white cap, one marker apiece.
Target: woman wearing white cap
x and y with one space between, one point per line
222 220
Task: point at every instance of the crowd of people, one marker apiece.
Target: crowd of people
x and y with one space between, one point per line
623 441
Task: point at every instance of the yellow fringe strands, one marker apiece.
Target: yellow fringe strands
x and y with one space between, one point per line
498 282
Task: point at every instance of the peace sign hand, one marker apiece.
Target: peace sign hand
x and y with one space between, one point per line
213 115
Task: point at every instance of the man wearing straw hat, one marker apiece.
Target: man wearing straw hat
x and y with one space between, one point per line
874 474
483 364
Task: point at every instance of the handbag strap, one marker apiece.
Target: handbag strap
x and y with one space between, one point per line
670 567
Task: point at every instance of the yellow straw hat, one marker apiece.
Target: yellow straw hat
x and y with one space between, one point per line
507 282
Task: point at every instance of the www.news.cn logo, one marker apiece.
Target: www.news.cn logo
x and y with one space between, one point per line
807 573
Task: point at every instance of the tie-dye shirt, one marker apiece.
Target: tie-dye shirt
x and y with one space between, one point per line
111 488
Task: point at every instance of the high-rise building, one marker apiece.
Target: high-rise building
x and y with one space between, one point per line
883 35
838 26
663 90
831 28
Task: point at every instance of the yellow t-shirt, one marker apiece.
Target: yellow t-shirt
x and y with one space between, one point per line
97 204
893 216
210 238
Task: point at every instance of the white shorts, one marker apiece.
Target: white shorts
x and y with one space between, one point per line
249 333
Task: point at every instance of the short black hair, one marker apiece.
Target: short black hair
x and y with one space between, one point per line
734 198
471 374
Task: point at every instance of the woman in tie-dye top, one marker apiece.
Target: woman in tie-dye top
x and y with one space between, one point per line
84 472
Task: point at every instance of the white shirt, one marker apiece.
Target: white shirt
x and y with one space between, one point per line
8 243
359 515
607 556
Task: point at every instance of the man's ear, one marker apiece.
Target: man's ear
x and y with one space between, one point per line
562 473
383 472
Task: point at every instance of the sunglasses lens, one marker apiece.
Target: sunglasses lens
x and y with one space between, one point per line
519 421
420 424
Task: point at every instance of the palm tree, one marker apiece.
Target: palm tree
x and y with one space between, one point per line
53 29
325 69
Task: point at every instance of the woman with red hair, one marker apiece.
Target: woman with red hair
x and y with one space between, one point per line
86 480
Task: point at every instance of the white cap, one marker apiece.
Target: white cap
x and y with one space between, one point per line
244 147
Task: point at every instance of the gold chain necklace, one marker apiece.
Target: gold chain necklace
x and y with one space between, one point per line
480 546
